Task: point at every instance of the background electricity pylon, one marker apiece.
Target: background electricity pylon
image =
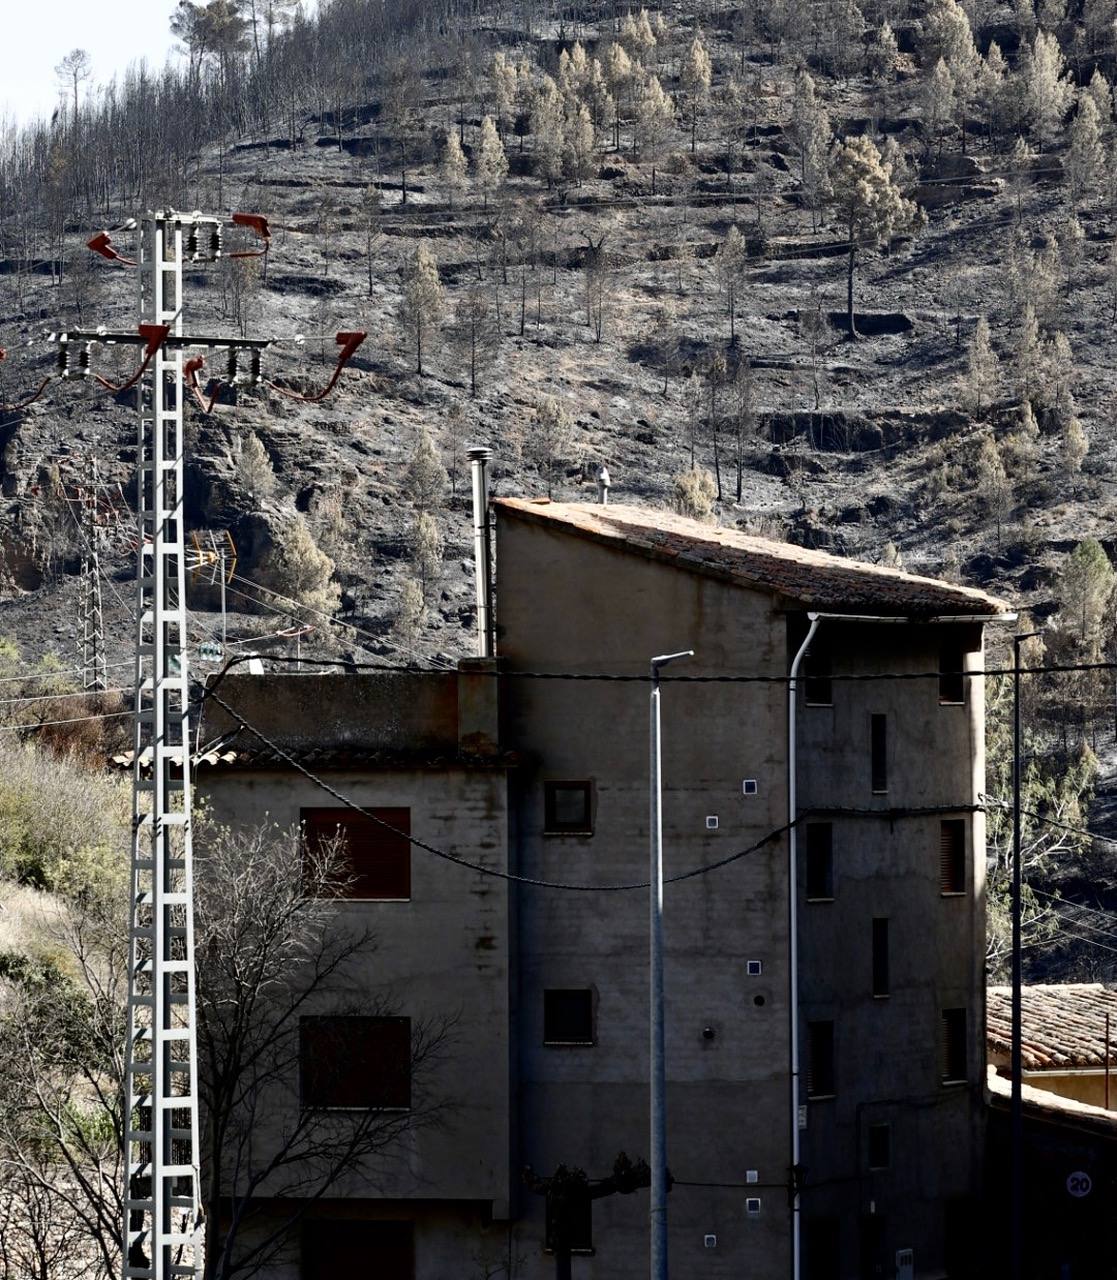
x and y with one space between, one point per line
94 671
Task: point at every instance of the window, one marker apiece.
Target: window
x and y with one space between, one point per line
880 1146
821 1242
355 1063
952 856
333 1247
820 861
878 734
880 957
820 1059
952 683
818 688
579 1224
953 1046
568 1016
567 809
377 857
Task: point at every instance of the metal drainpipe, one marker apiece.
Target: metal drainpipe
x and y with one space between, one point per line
793 940
479 461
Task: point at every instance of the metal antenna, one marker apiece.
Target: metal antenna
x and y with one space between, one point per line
163 1233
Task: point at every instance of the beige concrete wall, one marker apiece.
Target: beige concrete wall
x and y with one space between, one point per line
566 604
1081 1086
442 956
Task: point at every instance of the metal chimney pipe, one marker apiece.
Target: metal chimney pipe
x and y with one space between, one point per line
479 462
603 486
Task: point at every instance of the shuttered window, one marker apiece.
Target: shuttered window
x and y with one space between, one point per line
820 861
880 957
337 1247
953 1046
820 1059
952 855
377 857
567 808
355 1063
878 751
821 1249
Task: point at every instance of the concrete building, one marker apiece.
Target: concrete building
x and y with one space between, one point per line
515 767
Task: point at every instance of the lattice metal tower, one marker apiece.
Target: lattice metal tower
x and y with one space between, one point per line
163 1234
94 671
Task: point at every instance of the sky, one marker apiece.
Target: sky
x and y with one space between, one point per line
37 34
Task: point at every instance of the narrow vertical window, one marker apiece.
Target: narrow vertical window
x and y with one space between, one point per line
952 1065
880 957
952 855
818 688
820 861
878 749
880 1146
952 683
820 1060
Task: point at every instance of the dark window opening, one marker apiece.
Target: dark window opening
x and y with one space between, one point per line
821 1249
952 856
376 858
953 1046
878 732
820 861
874 1264
568 1016
355 1063
333 1247
818 688
566 807
952 683
577 1216
880 957
880 1146
820 1059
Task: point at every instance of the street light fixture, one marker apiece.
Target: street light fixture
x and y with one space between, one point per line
658 1078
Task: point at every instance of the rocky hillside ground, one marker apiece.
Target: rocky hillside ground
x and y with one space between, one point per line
609 294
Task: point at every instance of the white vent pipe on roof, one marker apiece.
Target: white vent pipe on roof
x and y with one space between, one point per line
482 554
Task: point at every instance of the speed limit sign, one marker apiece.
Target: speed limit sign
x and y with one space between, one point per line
1079 1184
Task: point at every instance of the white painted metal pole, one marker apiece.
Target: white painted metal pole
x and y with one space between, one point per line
658 1061
793 942
479 460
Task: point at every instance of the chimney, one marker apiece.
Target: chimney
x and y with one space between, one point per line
482 553
603 486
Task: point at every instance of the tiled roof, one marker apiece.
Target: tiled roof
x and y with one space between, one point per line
1063 1025
813 579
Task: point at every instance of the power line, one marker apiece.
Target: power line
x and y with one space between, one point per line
46 724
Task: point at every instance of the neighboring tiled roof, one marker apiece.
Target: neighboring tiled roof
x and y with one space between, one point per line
1063 1025
813 579
1042 1104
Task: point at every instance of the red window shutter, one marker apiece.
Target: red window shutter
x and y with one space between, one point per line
378 857
333 1248
355 1062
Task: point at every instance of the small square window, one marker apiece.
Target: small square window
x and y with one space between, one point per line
880 1146
952 856
952 683
752 1206
567 808
820 861
568 1016
952 1046
820 1060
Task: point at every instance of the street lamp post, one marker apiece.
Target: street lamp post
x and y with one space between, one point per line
657 1067
1016 1245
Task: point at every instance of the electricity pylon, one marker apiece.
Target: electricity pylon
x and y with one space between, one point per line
163 1231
